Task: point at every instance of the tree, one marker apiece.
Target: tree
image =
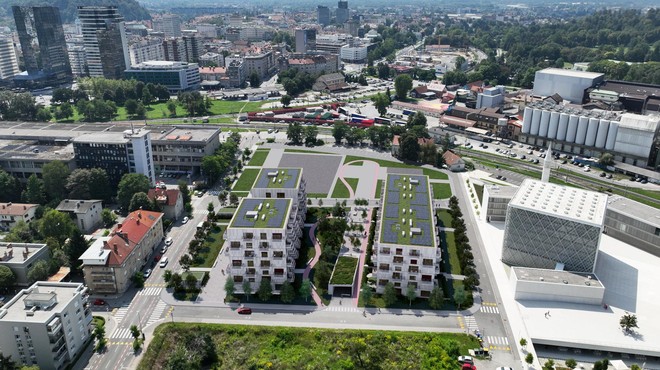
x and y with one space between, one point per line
185 261
572 364
411 293
191 282
255 81
108 217
628 322
367 294
381 102
265 290
549 364
310 133
57 225
417 119
64 111
130 184
389 295
140 201
402 85
529 359
436 298
339 131
287 293
135 332
43 115
606 159
7 277
88 184
62 95
409 147
55 175
428 153
322 274
523 342
247 289
286 100
171 107
76 246
632 367
38 272
305 289
34 191
140 111
11 190
131 106
233 199
138 279
459 296
459 60
147 97
294 133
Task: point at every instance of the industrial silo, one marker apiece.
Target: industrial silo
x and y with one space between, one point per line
592 131
563 126
545 123
611 135
603 127
581 135
536 120
571 132
554 124
527 120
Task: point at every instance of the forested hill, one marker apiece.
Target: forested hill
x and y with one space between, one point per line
130 9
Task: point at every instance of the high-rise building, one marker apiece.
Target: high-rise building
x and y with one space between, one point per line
105 41
168 24
146 50
191 47
323 15
305 40
77 57
8 61
342 12
43 45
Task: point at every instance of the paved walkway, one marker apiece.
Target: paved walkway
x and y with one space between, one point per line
363 254
312 263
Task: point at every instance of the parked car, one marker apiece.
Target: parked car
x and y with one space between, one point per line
479 352
244 311
185 220
163 262
147 273
602 174
465 360
609 176
504 368
169 241
99 302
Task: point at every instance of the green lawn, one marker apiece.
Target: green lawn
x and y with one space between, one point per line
452 264
247 179
210 249
240 193
358 163
441 191
479 189
317 195
307 251
259 157
384 163
341 191
444 218
379 188
266 347
344 271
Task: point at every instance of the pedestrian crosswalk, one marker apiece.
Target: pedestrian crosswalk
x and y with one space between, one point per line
497 341
150 291
342 309
157 313
120 333
121 312
470 323
489 309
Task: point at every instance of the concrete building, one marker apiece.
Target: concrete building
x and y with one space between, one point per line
311 64
305 40
552 226
170 200
77 59
569 84
8 60
146 50
330 82
496 200
176 76
111 261
208 31
46 325
11 213
282 183
633 223
24 157
179 151
353 54
43 46
453 162
117 153
20 257
486 119
236 72
342 13
263 64
211 60
492 97
85 213
407 248
105 41
556 286
323 15
168 24
192 49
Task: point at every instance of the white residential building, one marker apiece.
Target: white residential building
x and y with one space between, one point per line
146 50
407 248
20 257
8 60
46 325
86 213
169 24
353 54
11 213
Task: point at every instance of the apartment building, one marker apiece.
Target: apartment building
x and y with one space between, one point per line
180 151
317 64
168 24
111 261
20 257
23 158
11 213
264 234
263 64
85 213
145 50
105 41
170 201
46 325
407 248
8 59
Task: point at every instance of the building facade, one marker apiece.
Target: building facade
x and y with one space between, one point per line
634 223
46 325
176 76
550 226
20 257
105 41
111 261
263 64
77 59
353 54
146 50
305 40
23 158
569 84
170 201
85 213
323 15
8 60
496 200
342 13
180 151
168 24
407 247
12 213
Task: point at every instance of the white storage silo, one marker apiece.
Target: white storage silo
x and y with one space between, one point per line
536 120
571 132
527 120
581 135
603 127
611 135
592 131
563 126
554 124
545 123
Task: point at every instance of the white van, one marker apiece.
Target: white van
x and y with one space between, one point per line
163 262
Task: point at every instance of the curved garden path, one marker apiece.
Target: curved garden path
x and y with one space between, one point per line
312 263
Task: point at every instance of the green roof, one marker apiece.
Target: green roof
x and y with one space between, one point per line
261 213
407 217
278 178
344 271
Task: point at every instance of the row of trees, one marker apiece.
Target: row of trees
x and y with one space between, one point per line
463 248
295 81
21 107
298 135
215 166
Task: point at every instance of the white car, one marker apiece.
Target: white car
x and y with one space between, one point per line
465 360
169 241
185 220
147 273
504 368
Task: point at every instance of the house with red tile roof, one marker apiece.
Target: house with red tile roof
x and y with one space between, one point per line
453 161
170 201
111 261
11 213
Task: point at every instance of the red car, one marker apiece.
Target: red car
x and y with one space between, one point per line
99 302
244 311
468 367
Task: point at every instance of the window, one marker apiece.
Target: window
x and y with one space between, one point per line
413 262
268 195
235 245
236 263
264 254
238 279
399 251
280 195
250 263
277 236
427 262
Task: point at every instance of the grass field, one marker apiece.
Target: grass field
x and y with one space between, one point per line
344 271
232 347
441 191
444 218
384 163
210 249
247 179
449 245
358 163
259 157
479 189
341 191
317 195
379 188
240 193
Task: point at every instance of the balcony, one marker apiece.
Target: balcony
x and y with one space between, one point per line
414 254
249 255
398 260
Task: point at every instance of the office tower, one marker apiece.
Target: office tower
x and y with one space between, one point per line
191 47
342 11
323 15
305 40
169 25
42 42
105 41
8 61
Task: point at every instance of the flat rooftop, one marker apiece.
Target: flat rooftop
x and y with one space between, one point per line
30 149
557 277
639 211
261 213
502 191
570 72
560 201
184 135
407 215
15 309
278 178
14 252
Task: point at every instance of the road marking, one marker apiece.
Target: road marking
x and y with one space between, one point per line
471 323
500 348
489 304
489 309
497 341
121 312
342 309
120 343
121 333
157 312
150 291
158 285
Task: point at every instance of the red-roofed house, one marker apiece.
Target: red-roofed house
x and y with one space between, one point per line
453 161
170 201
111 261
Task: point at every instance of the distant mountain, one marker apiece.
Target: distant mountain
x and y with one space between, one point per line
130 9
